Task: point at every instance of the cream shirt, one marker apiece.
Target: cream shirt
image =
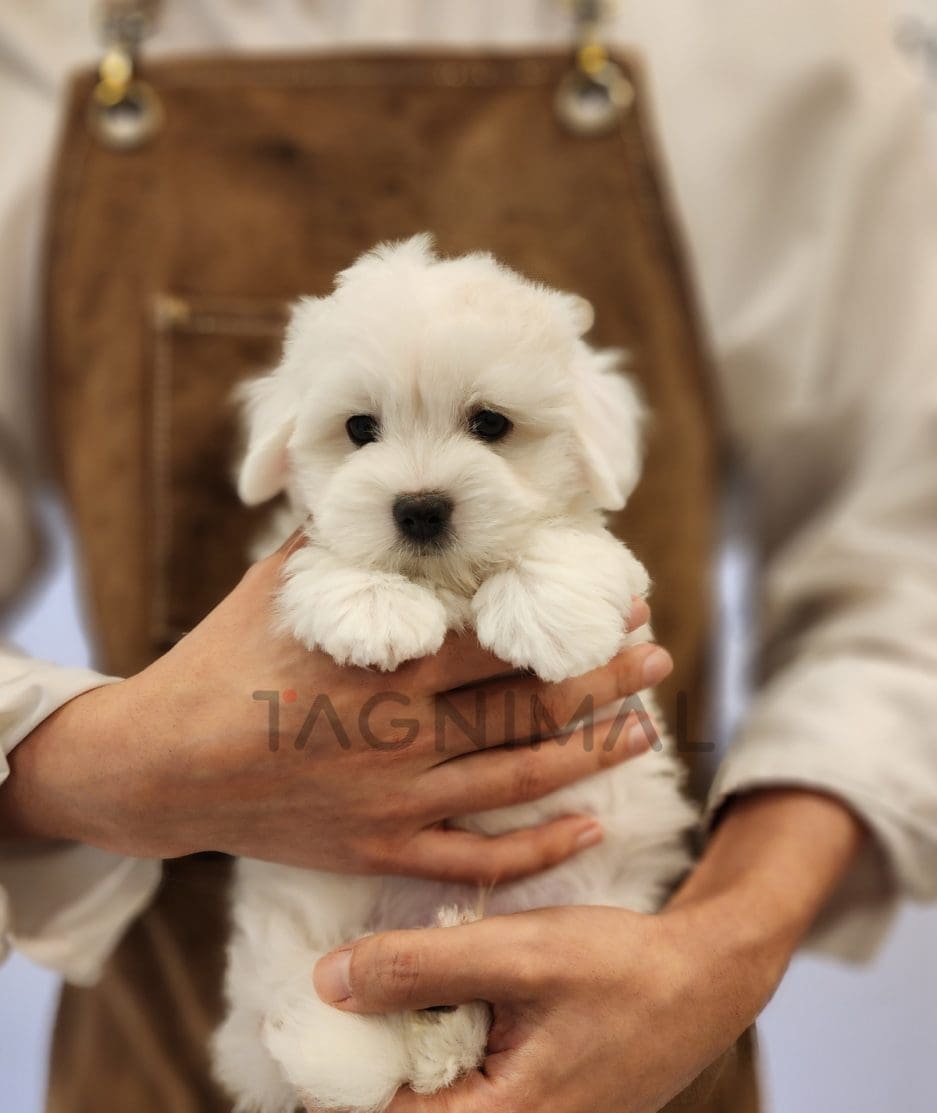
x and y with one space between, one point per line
796 141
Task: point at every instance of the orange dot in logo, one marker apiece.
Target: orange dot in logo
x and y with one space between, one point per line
289 696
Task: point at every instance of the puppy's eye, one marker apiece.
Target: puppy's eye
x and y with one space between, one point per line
490 426
362 429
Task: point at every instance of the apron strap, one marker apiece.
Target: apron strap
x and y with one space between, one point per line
124 111
594 96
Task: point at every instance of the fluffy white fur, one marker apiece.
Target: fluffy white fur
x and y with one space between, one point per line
422 344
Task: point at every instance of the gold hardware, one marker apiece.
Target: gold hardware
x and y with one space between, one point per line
591 58
115 73
124 111
125 121
594 96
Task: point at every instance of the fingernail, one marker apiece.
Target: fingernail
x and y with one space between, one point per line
657 665
638 740
640 612
331 977
591 836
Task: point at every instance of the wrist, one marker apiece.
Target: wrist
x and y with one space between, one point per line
772 863
55 789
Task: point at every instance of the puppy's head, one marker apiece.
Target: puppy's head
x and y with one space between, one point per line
430 413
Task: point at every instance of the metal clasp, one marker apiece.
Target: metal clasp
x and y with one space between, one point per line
124 111
594 96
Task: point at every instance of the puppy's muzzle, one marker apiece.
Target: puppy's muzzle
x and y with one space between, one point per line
423 519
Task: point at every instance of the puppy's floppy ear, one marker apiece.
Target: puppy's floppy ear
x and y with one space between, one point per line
610 418
269 418
269 407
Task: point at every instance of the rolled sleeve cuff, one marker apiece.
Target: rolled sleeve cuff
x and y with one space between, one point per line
898 860
67 906
62 904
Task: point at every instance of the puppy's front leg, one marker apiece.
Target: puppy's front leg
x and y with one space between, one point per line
561 609
358 616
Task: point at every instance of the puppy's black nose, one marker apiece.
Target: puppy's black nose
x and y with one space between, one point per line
423 517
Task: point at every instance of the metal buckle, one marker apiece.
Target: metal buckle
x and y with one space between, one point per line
124 111
126 123
594 96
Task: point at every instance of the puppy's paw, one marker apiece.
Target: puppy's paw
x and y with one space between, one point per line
445 1044
563 611
335 1060
385 625
245 1068
370 619
520 622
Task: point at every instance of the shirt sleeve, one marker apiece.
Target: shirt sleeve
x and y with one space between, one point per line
62 904
827 335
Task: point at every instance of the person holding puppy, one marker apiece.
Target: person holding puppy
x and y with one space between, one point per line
821 322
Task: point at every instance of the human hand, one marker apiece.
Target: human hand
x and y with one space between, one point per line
598 1009
179 758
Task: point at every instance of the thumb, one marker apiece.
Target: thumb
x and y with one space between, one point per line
293 542
265 572
488 960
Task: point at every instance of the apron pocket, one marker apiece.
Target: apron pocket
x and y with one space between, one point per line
202 347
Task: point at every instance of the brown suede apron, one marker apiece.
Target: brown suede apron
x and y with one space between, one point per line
169 268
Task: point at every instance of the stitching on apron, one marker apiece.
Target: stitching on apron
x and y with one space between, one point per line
171 315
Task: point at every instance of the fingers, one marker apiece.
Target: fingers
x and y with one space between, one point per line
293 542
265 573
640 613
462 661
519 774
445 854
472 1094
518 708
486 960
275 560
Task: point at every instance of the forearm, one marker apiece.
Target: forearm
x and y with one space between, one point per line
58 778
63 902
772 863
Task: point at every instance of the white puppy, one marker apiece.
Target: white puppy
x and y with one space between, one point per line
450 441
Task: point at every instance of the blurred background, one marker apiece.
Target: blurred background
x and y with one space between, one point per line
835 1038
